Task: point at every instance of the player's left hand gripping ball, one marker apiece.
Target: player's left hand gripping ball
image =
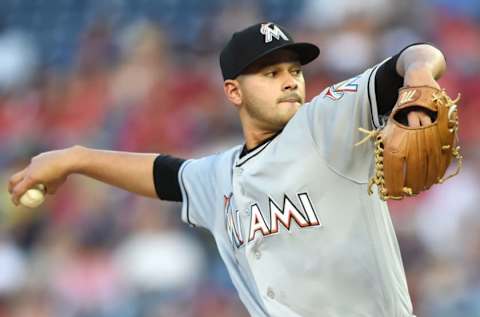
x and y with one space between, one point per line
33 197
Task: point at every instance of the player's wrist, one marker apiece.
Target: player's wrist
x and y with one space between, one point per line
420 74
76 159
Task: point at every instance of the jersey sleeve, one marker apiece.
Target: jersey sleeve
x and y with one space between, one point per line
334 117
197 183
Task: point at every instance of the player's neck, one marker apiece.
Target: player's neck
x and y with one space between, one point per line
255 139
255 133
255 136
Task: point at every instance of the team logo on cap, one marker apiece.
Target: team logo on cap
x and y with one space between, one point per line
271 31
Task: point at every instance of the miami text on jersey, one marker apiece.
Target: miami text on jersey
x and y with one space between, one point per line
277 216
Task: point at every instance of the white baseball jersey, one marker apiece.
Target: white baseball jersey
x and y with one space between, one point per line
292 219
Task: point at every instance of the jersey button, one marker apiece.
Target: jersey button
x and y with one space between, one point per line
270 293
258 255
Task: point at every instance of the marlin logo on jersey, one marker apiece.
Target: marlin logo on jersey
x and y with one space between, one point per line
337 91
271 31
232 222
279 215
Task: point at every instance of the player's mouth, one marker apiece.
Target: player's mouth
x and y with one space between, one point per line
291 99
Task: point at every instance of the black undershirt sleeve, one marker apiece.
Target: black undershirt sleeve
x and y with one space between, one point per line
388 82
165 177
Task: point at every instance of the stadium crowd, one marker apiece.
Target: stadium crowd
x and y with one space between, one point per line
143 75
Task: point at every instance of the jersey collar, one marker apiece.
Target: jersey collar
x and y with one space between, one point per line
247 154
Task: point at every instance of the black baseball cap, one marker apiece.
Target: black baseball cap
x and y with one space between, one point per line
247 46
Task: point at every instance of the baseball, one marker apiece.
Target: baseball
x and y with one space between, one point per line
33 197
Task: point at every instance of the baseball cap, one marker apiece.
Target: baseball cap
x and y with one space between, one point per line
248 45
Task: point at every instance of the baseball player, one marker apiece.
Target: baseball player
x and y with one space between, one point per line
288 209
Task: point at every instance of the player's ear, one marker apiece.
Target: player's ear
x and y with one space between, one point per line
233 91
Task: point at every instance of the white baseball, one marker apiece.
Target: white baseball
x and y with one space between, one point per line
33 197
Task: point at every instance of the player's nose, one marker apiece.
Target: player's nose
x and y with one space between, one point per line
290 83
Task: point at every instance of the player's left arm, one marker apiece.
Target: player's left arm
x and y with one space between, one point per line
417 65
364 101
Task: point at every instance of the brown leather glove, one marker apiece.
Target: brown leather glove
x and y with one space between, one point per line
409 160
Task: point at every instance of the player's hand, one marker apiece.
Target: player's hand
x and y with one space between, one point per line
50 169
419 76
418 118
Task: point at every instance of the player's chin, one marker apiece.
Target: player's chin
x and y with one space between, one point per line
289 107
285 116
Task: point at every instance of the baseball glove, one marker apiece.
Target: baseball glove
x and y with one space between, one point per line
409 160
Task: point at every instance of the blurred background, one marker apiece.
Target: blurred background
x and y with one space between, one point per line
143 75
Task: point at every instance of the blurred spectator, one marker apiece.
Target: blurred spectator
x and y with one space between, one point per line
328 14
163 110
441 215
85 280
158 257
12 268
18 59
350 48
144 76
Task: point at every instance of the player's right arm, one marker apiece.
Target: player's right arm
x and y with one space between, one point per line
134 172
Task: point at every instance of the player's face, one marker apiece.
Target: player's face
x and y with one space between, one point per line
272 90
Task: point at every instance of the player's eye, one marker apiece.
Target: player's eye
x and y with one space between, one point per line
271 73
296 71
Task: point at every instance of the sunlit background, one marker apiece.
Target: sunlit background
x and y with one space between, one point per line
143 75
